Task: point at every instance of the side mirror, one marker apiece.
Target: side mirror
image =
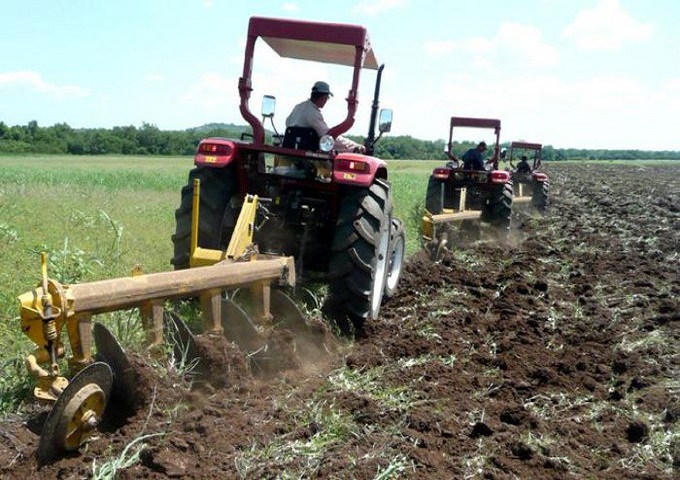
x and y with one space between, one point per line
385 120
268 106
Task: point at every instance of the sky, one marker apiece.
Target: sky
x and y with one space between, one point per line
595 74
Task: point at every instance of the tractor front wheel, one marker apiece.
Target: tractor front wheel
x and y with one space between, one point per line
396 257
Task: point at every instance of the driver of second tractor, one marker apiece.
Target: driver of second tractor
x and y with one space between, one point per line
523 166
308 114
473 159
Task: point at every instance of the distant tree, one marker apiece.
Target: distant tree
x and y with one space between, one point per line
150 140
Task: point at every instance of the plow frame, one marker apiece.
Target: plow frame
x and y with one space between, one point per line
47 309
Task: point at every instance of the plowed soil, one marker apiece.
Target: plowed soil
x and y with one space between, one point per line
553 356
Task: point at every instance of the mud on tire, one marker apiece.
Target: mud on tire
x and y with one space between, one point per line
359 256
217 187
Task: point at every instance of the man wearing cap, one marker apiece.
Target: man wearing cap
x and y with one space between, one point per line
308 114
472 159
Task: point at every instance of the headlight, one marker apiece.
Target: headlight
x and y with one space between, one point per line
326 143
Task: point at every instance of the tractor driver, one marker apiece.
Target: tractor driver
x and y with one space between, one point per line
308 114
523 166
473 159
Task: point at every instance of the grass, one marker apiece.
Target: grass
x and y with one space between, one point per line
107 470
326 427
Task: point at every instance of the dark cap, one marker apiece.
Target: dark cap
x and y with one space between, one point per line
322 87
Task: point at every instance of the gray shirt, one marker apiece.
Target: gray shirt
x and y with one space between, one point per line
307 114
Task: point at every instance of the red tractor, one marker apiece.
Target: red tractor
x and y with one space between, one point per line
459 197
332 211
530 185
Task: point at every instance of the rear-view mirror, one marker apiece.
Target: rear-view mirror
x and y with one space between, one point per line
385 120
268 106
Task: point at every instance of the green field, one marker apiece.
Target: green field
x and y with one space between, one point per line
99 217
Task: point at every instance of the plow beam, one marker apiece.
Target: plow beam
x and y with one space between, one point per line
73 305
122 293
455 216
431 222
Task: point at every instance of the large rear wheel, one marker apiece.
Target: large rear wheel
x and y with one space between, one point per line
434 198
360 254
540 199
218 185
498 209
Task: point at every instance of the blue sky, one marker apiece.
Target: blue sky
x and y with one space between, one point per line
567 73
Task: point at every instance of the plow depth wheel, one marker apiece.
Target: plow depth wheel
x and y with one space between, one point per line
76 413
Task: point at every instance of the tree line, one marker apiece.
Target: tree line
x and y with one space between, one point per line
150 140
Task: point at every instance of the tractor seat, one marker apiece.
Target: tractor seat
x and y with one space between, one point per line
301 138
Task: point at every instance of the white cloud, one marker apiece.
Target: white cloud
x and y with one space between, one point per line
599 112
374 7
34 81
607 26
512 40
291 7
526 42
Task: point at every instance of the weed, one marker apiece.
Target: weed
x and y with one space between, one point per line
15 386
323 426
426 359
128 457
368 382
398 467
474 464
179 364
8 234
656 450
68 265
654 338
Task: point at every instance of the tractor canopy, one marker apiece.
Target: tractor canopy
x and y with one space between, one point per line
489 123
526 145
522 146
319 42
334 43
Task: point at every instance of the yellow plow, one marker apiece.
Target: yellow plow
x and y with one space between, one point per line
52 308
437 229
